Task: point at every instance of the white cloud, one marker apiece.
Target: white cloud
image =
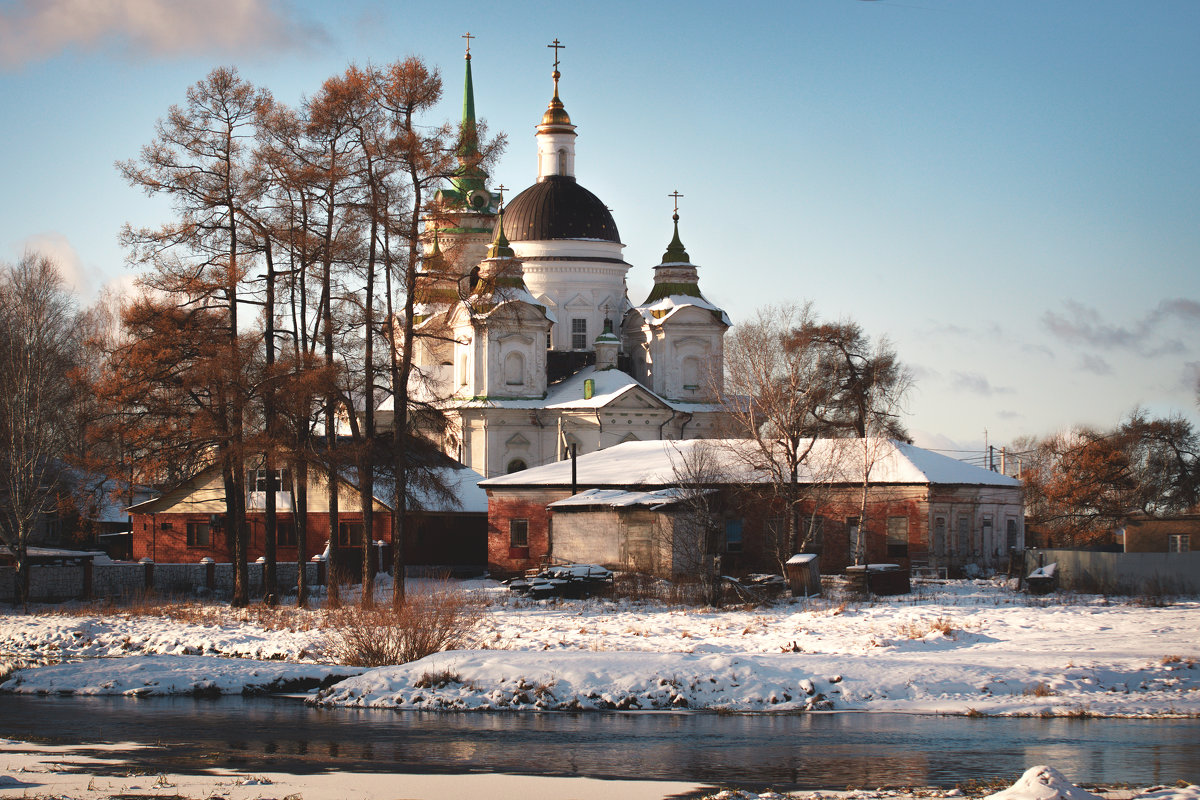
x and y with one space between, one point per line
55 246
34 30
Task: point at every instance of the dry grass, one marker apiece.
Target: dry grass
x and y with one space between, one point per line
274 618
920 628
1168 661
436 680
1039 689
430 621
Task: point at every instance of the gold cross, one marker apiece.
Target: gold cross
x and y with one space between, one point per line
500 191
556 47
676 195
469 37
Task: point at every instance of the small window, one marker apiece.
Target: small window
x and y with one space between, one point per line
518 533
579 340
549 341
350 534
1179 543
285 533
199 534
1012 534
516 465
939 536
852 538
986 535
733 535
897 537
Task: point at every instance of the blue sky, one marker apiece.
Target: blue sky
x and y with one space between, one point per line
1008 190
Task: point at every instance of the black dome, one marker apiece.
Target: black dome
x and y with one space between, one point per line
556 207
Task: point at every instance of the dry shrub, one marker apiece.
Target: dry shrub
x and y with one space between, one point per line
686 591
920 628
436 680
430 621
1039 690
275 618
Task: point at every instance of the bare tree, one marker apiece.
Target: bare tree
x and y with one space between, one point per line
700 470
777 388
38 351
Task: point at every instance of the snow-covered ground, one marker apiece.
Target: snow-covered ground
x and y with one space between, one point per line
956 647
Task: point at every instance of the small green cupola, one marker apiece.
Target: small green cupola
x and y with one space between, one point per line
676 275
499 248
675 253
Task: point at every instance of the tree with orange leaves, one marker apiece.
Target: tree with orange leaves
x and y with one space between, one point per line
199 160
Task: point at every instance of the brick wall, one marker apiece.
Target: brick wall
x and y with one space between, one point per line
526 504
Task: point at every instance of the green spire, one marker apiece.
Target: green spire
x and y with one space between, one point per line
468 177
499 247
470 139
675 253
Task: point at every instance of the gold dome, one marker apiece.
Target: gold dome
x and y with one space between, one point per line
556 113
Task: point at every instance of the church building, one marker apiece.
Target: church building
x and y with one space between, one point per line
531 344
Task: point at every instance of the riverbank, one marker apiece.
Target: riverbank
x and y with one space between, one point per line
953 647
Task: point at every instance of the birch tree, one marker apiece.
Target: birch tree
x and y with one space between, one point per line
38 351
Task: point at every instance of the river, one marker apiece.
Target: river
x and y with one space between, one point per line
807 751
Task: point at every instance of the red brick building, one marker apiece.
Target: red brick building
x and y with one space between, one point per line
922 508
187 523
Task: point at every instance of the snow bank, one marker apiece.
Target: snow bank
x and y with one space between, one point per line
1043 783
494 680
164 675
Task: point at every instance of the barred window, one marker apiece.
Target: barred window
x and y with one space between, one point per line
518 533
579 333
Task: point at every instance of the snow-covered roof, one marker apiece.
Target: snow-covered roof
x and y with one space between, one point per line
610 384
621 498
509 295
660 463
664 308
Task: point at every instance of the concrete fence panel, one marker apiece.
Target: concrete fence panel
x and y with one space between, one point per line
53 583
1154 574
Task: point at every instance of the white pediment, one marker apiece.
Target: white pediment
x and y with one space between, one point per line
579 301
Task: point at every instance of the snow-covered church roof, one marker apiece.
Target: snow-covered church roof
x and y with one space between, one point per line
608 386
662 463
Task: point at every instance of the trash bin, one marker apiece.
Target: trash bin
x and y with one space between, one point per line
804 575
1043 580
881 579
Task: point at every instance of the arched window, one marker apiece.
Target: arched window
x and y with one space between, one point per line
562 161
514 369
473 281
516 465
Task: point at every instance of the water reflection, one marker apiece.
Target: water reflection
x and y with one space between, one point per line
803 751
